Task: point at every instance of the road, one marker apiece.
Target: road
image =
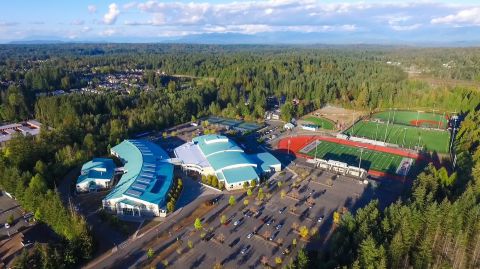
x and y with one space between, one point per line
133 244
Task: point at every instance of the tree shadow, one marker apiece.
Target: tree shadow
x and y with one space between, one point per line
198 261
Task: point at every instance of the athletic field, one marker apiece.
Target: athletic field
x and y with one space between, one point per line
402 135
321 122
413 118
375 160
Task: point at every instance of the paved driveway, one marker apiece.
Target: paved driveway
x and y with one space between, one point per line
8 207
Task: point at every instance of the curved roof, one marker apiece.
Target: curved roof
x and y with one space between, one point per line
148 174
98 168
214 144
227 159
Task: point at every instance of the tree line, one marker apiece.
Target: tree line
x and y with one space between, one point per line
238 82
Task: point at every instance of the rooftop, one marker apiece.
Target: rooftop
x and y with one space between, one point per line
240 174
265 160
98 168
212 144
148 177
227 159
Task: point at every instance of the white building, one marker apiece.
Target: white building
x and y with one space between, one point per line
219 156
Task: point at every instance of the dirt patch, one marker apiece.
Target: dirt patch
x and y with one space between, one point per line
340 116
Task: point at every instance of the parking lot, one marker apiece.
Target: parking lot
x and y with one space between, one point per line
9 207
263 232
269 230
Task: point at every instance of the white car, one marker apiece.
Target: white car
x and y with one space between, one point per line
7 225
249 235
236 223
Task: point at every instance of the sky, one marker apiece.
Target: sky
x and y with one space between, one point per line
301 20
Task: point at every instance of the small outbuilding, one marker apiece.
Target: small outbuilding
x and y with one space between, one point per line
96 174
288 126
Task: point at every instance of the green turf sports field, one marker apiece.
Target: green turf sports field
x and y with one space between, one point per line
406 117
321 122
431 140
375 160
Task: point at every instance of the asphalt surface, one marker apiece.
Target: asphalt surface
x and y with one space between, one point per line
133 244
345 192
9 206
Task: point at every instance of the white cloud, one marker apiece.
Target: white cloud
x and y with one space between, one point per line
111 16
467 16
406 27
400 22
130 5
244 28
86 29
263 28
108 32
92 8
178 17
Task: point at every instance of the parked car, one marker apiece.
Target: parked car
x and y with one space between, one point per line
234 242
320 219
7 225
249 235
273 236
245 250
279 226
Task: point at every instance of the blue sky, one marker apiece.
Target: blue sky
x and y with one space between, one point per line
356 21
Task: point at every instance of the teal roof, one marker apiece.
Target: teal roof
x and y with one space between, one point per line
228 158
224 154
264 160
98 168
213 144
148 176
240 174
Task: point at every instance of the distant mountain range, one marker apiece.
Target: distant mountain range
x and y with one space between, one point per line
332 38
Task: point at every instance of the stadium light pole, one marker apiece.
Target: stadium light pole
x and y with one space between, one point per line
288 147
376 132
453 134
418 141
393 120
418 115
360 162
353 121
386 129
440 121
404 134
316 145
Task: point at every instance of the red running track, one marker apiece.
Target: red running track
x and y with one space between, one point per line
299 142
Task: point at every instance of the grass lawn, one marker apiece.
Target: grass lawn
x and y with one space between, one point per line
409 118
321 122
402 135
379 161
